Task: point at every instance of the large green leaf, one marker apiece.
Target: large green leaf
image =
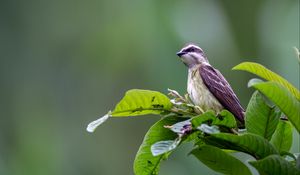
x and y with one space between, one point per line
267 74
283 136
279 95
141 102
220 161
145 163
136 102
275 165
261 119
252 144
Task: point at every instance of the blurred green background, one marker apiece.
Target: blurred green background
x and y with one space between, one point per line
65 63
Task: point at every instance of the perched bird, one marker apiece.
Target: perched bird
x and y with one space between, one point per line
206 86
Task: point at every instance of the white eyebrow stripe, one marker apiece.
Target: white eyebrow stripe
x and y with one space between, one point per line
191 45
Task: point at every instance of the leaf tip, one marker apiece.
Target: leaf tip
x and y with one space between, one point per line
240 66
94 124
297 53
253 82
236 67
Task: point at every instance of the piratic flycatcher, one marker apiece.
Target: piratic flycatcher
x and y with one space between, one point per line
206 86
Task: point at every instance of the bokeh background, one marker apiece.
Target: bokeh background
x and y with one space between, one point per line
65 63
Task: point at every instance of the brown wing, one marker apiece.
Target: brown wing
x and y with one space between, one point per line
221 89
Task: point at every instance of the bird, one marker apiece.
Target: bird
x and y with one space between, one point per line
206 86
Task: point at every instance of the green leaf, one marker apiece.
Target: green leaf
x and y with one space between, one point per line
275 165
141 102
136 102
225 118
145 163
280 96
252 144
267 74
220 161
260 118
192 137
283 136
207 117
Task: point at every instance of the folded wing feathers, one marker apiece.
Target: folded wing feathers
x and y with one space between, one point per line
221 89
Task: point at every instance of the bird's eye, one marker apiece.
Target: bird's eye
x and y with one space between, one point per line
191 49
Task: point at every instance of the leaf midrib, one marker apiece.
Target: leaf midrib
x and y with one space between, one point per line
138 109
268 124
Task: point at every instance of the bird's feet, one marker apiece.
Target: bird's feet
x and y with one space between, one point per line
184 103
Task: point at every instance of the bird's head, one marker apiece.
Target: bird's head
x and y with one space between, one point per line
192 55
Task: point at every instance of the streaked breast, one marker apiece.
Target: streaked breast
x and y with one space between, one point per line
199 93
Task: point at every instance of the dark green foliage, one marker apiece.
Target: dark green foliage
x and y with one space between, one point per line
267 136
261 119
285 100
220 161
267 74
283 136
275 165
252 144
145 163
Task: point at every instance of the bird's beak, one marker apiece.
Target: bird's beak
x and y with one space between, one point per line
180 53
